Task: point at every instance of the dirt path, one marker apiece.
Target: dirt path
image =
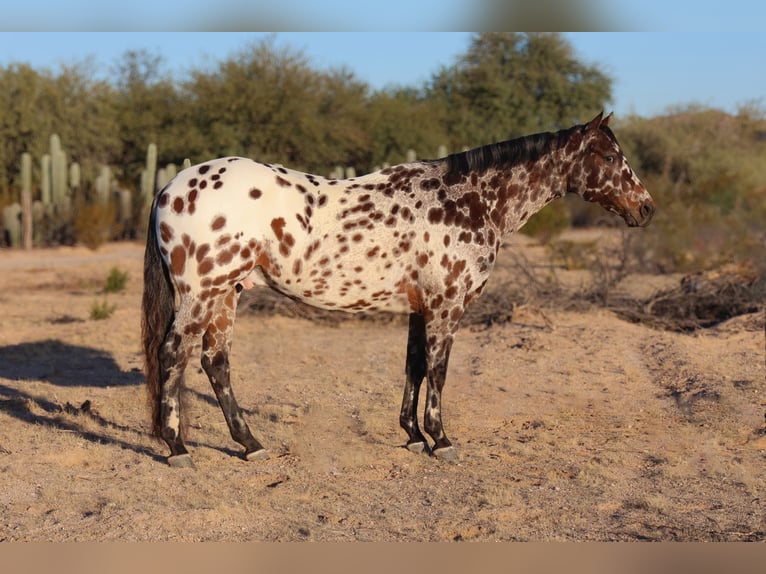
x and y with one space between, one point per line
570 426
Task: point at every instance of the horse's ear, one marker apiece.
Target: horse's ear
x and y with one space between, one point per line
605 121
595 122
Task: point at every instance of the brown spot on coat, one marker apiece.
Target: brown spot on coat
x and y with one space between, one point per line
205 266
178 260
166 232
278 226
223 257
202 251
218 223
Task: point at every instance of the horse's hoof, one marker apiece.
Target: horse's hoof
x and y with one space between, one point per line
262 454
416 447
181 461
447 454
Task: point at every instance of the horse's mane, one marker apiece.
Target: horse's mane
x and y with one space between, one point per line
504 154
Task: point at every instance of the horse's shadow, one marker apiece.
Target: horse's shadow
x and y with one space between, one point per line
65 365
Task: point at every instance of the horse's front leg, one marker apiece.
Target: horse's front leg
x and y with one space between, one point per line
415 371
439 345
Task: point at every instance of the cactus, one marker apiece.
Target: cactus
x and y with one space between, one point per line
74 178
59 188
103 183
45 182
12 223
125 202
165 174
149 175
26 200
337 173
38 218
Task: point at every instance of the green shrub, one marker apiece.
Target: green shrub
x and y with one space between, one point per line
100 310
549 222
116 281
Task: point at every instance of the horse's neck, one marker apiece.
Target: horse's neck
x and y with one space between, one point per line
514 194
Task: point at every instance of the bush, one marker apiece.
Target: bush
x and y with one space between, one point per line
116 281
549 222
101 310
96 223
705 170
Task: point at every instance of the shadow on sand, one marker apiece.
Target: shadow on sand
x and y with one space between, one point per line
65 365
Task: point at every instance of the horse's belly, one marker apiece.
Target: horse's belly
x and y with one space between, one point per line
343 295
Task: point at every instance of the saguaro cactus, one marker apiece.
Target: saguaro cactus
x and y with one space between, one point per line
45 183
74 178
12 223
26 200
103 183
59 187
149 175
165 174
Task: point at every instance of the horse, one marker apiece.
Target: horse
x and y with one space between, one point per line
420 238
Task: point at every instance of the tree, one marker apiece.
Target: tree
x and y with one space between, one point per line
511 84
270 105
402 119
149 108
35 104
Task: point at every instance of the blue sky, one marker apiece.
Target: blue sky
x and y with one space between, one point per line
661 53
651 70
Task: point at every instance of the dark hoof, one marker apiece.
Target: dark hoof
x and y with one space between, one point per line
181 461
262 454
447 454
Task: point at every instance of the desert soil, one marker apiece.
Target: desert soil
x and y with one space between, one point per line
570 424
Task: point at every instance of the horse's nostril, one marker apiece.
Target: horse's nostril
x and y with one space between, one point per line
647 209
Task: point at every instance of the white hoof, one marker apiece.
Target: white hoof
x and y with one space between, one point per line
181 461
447 454
416 447
262 454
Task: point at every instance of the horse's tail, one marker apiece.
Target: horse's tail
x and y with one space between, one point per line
157 314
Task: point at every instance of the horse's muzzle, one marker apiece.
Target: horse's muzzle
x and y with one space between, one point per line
642 215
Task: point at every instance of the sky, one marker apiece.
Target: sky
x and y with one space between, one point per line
662 54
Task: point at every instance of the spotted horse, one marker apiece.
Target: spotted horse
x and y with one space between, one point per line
418 238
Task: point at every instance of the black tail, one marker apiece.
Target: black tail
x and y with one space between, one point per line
157 314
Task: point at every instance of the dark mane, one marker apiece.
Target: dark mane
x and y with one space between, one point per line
505 154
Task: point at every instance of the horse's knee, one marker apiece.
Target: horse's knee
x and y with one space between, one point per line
215 364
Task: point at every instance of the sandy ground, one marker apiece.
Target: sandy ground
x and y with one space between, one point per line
570 425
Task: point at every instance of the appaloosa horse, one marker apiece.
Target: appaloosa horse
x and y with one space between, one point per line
418 238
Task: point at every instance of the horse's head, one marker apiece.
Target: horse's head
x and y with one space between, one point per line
600 173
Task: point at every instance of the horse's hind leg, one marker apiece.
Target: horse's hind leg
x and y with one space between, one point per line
174 355
216 345
415 371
